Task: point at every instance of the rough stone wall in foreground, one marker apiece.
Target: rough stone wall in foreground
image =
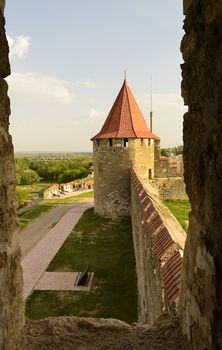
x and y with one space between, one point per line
11 302
201 296
69 333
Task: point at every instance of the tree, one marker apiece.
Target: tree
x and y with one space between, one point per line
29 177
178 150
165 152
70 175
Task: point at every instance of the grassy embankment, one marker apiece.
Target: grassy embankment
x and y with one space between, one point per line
180 209
28 193
107 247
48 204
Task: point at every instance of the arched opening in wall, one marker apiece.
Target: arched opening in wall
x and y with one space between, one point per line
61 88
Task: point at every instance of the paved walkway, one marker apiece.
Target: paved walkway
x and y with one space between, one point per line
39 227
36 261
62 281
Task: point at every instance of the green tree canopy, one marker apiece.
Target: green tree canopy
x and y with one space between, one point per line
29 177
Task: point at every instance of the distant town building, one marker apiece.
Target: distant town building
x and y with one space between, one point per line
58 190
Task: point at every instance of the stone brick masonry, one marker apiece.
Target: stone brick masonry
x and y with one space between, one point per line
158 255
112 173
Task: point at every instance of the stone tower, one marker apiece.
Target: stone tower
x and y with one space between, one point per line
124 141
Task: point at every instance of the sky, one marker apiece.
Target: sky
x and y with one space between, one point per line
68 60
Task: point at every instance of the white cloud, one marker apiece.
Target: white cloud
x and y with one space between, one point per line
87 83
94 114
37 87
18 46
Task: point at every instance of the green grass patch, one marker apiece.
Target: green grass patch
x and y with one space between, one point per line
26 218
28 193
107 247
180 209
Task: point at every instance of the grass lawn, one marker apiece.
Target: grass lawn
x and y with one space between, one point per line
180 209
107 247
45 205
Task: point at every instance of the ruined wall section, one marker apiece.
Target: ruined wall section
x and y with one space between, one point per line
11 302
112 165
163 168
158 253
201 297
169 188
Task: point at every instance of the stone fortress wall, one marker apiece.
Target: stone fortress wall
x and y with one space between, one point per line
158 245
112 163
118 194
166 168
169 187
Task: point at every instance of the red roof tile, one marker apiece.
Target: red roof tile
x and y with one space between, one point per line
125 119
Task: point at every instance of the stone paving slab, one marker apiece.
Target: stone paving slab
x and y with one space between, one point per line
37 260
62 281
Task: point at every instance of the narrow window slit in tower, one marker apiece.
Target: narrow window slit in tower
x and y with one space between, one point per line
150 174
125 141
110 142
141 142
149 142
97 142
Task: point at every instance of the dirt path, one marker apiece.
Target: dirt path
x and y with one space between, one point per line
40 226
36 261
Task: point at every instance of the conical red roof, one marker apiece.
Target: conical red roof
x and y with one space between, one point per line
125 120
